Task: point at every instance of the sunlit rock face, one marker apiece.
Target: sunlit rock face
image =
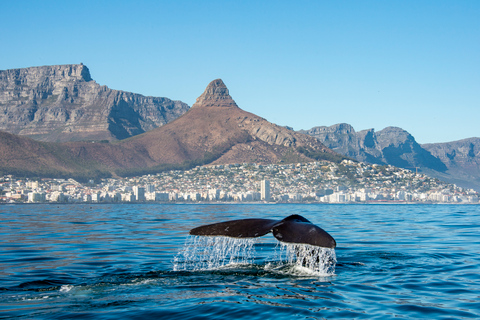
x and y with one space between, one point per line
62 103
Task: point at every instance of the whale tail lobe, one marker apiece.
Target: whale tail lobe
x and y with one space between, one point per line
292 229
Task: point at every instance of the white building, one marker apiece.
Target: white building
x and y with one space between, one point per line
128 197
96 197
139 193
36 197
213 194
265 190
57 196
156 196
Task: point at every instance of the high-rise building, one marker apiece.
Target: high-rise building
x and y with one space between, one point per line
139 193
265 190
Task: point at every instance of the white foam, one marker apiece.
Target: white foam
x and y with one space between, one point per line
207 253
316 259
66 288
211 253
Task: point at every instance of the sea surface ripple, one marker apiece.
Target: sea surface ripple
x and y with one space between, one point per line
131 261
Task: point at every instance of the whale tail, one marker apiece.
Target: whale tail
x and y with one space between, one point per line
293 229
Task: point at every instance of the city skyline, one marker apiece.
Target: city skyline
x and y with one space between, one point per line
320 182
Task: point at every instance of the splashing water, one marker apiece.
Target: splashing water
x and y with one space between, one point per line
208 253
316 259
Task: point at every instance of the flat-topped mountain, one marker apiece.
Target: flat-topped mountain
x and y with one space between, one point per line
214 131
62 103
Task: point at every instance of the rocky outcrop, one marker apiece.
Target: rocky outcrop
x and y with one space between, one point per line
214 131
215 95
343 139
455 162
461 152
400 149
217 127
462 159
63 103
391 145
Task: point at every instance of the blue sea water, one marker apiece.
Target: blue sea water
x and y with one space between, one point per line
132 261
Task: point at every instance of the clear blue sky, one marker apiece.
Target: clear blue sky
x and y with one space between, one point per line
372 64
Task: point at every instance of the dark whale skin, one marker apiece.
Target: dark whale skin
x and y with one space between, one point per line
292 229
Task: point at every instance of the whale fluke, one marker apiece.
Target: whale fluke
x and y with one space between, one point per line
293 229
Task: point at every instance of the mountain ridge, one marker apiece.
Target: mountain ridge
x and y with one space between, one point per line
455 162
63 103
225 132
214 131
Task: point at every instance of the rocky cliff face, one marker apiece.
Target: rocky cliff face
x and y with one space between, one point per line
391 145
214 131
462 159
342 138
400 149
217 127
63 103
215 95
459 152
455 162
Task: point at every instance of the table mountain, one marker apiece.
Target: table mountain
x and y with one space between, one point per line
63 103
214 131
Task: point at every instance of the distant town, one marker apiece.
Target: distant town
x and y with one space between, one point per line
315 182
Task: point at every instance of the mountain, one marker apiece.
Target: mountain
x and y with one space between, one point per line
391 145
343 139
62 103
214 131
455 162
462 159
24 156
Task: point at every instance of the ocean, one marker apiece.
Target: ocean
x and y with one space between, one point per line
137 261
